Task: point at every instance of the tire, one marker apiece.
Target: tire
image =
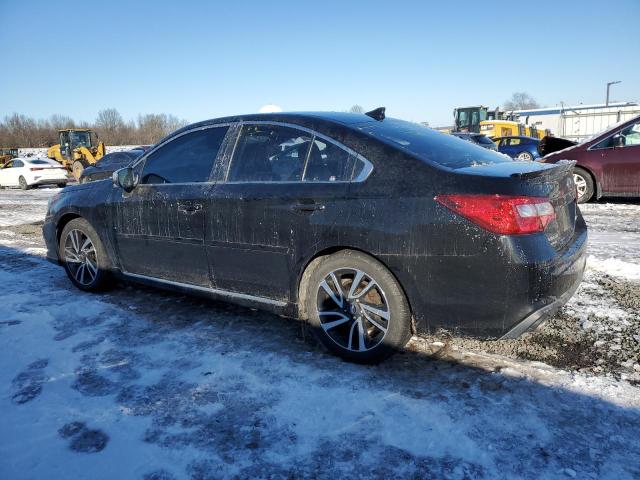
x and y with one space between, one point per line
96 274
61 185
524 156
341 321
77 167
584 184
23 183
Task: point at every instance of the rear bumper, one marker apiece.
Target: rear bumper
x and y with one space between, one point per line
507 290
50 181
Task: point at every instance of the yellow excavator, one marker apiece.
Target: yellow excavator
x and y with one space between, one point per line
78 148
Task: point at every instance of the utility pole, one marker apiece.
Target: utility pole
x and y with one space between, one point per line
608 86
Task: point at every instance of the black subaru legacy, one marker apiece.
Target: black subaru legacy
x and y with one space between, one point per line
367 228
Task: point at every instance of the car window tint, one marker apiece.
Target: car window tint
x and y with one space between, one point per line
269 153
431 145
514 141
187 158
328 163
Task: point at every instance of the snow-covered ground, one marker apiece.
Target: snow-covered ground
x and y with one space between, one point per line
140 383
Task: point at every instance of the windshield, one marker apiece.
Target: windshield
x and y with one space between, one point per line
80 139
431 145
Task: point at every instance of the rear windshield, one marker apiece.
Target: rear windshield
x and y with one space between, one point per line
39 162
483 139
430 145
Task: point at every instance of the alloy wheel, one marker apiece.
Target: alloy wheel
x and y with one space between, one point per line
524 156
581 184
353 309
80 257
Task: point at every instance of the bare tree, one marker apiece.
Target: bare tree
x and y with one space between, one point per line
356 109
520 101
18 130
110 126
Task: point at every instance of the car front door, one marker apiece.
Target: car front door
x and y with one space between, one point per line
281 195
159 226
619 160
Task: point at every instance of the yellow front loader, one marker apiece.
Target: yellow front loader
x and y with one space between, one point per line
78 148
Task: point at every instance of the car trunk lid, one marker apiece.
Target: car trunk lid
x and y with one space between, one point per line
553 181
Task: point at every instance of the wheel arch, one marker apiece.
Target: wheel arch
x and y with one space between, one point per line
62 222
305 271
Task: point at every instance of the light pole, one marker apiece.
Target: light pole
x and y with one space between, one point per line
608 86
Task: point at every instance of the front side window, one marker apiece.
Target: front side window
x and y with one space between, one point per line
625 138
185 159
269 153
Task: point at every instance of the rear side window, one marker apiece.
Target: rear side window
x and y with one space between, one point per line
269 153
188 158
430 145
328 163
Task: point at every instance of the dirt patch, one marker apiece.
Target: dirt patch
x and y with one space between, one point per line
27 229
597 343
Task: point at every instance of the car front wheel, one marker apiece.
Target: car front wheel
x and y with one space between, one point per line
83 256
357 308
23 183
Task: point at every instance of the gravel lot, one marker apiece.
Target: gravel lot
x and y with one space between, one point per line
139 383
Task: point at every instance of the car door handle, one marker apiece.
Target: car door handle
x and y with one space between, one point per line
307 207
190 208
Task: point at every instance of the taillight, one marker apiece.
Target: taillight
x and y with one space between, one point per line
502 214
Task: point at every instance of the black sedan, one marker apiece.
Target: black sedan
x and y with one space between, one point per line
111 162
365 227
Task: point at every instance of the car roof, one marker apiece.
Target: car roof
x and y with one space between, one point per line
516 136
298 118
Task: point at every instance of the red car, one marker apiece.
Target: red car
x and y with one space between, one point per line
608 164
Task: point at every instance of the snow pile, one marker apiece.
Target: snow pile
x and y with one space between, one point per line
615 267
42 152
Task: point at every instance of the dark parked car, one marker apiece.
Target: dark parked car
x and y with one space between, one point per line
477 138
108 164
367 228
518 148
608 164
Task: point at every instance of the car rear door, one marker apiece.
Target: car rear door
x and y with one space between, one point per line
159 226
6 175
278 197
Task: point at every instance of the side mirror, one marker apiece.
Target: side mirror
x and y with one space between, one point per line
618 140
125 178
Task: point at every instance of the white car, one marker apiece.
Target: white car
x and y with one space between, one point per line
31 172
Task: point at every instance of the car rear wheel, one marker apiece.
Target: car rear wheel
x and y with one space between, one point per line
23 183
524 156
584 184
83 256
61 185
357 308
77 168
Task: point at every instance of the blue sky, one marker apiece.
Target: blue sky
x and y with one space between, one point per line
420 59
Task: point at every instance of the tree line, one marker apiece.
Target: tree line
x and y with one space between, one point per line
20 131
